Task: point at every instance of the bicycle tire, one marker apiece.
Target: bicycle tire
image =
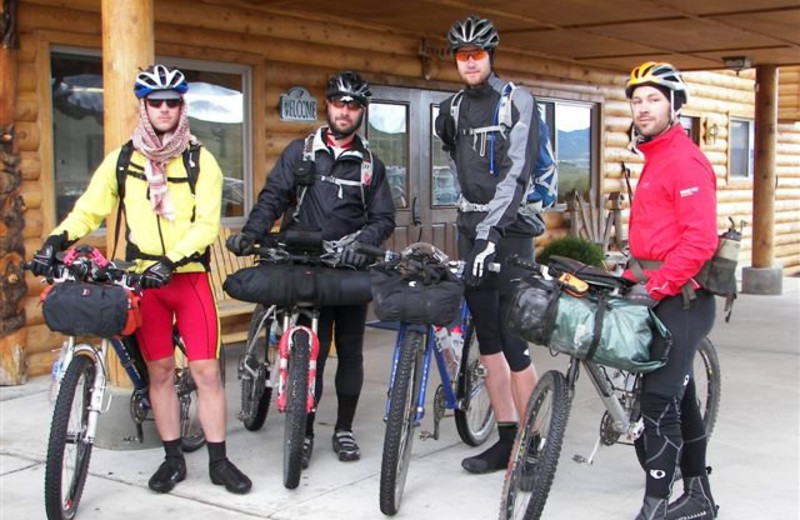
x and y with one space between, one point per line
296 398
256 396
62 491
530 476
709 392
474 417
399 436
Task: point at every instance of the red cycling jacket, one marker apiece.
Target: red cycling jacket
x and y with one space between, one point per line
674 212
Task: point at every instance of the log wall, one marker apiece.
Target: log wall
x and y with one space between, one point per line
284 51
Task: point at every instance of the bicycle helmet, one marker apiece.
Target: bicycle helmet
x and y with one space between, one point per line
160 82
476 31
348 84
659 74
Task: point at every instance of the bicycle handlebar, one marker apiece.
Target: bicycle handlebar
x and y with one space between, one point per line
85 263
389 256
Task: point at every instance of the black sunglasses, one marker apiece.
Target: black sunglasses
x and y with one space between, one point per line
171 103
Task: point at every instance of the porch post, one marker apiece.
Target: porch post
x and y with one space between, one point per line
127 46
764 277
13 334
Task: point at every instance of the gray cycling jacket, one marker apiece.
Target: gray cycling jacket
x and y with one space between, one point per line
515 152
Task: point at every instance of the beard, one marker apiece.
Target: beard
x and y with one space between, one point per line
340 131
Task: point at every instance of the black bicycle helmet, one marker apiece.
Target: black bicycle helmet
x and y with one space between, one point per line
348 84
476 31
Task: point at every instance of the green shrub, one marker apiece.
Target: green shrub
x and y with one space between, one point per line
573 247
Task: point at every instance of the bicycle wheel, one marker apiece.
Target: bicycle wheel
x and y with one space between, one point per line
192 437
536 450
474 417
68 450
399 435
708 383
296 398
255 393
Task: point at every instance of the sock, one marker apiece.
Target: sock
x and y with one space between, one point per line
173 449
310 424
496 457
346 412
216 453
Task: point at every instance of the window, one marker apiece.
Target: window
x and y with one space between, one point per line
571 128
218 114
691 125
387 132
740 164
445 189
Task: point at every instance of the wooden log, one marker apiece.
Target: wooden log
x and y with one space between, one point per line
34 225
13 358
33 311
27 136
26 109
29 166
37 17
764 178
31 194
41 363
42 339
128 46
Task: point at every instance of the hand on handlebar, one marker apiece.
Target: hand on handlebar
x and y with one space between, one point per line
44 259
351 256
157 275
479 260
241 244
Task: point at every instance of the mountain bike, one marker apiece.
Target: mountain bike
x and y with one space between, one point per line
81 381
462 388
296 275
537 447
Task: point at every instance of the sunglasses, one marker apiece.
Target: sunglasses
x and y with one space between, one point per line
351 105
171 103
476 55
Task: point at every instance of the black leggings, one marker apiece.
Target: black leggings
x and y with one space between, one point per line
673 425
489 301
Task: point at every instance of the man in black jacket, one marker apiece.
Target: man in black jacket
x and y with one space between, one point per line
331 181
493 156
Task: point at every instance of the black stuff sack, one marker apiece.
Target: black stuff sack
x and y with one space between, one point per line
284 284
419 300
86 309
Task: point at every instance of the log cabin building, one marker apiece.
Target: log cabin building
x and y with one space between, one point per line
66 70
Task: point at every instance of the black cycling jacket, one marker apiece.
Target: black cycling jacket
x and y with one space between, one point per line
515 155
337 210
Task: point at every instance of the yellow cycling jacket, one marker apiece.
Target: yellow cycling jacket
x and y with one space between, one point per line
181 238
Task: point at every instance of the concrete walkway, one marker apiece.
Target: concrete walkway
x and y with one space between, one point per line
754 450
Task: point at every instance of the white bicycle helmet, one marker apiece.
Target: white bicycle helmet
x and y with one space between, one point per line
476 31
349 84
160 78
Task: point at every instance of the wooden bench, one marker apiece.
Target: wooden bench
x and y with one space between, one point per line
224 263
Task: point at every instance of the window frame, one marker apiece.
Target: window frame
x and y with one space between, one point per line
750 173
595 182
246 72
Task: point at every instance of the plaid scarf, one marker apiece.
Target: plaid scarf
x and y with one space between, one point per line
160 150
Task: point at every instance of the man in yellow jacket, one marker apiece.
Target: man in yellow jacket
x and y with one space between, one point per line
172 219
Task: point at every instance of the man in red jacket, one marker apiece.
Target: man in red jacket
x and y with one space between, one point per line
673 232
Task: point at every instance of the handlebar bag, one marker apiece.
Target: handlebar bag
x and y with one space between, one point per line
87 309
608 330
416 299
286 284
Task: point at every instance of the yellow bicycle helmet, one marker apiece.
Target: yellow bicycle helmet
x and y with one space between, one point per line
658 74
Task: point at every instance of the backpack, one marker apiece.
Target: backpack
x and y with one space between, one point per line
542 189
191 162
305 175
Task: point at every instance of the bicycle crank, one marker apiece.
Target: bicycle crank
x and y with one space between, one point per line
439 408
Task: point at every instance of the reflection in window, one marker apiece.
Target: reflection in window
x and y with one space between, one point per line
691 125
387 132
741 145
573 148
216 110
444 184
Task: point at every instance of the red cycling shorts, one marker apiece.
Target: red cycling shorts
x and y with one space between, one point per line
188 301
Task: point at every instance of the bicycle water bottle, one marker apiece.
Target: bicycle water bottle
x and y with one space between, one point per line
450 344
457 343
55 374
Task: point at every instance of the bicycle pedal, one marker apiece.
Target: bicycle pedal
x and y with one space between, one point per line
425 435
580 459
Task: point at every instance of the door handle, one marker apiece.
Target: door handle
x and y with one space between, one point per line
415 218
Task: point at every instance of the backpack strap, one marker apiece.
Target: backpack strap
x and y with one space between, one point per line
191 162
123 162
455 104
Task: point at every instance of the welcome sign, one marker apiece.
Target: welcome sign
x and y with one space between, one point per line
297 104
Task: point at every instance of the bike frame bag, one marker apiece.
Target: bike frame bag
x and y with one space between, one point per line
87 309
287 284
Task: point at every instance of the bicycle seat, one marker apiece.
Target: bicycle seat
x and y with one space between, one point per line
594 276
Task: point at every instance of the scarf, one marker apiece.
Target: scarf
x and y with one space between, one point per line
160 150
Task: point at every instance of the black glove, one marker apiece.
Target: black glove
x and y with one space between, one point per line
241 244
478 260
158 274
352 257
446 130
638 294
45 258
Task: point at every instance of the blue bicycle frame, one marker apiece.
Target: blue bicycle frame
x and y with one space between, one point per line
431 349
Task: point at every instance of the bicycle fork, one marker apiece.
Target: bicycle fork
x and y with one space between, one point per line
285 347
